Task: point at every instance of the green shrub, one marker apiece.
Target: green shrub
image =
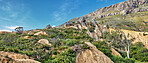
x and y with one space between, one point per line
139 52
118 59
85 46
139 44
65 57
102 46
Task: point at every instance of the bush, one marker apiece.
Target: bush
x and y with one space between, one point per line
139 44
102 46
85 46
138 52
71 43
65 57
118 59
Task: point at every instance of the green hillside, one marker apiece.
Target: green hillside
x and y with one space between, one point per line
62 41
134 21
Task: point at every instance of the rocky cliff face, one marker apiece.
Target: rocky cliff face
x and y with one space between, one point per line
92 55
6 57
120 8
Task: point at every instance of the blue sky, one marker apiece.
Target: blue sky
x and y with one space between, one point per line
36 14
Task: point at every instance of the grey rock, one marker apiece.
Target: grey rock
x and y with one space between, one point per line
48 27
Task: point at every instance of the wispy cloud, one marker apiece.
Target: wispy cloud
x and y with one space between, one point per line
12 13
11 27
65 9
6 30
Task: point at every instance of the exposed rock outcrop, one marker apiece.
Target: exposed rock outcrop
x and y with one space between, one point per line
48 27
44 41
26 37
41 33
32 31
120 8
96 31
139 36
93 35
6 57
92 55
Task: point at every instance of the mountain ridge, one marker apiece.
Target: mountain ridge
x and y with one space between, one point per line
123 8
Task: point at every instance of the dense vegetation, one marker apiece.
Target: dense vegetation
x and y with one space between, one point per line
137 50
64 42
60 51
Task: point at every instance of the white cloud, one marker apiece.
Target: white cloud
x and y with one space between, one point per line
6 30
13 13
11 27
57 16
53 26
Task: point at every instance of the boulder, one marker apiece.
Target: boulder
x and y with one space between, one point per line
26 37
44 41
124 12
68 25
92 55
41 33
48 27
31 32
7 57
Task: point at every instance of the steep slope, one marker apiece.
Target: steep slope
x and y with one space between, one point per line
129 15
126 15
139 36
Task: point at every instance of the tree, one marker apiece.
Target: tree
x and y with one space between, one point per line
19 30
121 40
